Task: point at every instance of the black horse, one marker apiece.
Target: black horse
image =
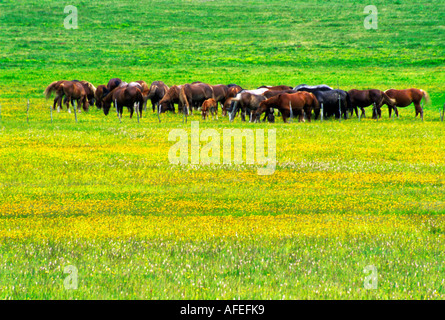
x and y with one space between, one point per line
332 101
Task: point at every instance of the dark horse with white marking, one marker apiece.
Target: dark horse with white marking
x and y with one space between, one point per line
332 101
246 101
125 97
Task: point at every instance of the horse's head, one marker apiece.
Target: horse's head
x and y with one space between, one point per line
165 105
86 105
106 107
204 112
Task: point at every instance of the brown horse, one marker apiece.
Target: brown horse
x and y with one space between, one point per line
53 87
90 90
113 83
220 93
74 91
125 97
300 103
101 92
365 98
157 91
404 98
233 91
169 99
194 95
209 105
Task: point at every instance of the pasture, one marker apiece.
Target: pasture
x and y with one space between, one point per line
103 197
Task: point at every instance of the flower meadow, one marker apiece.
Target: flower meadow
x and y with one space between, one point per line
102 196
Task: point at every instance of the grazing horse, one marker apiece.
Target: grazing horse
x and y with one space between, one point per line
220 93
101 92
247 101
365 98
157 91
274 88
169 99
125 97
233 91
194 94
113 83
74 91
246 104
90 90
404 98
53 87
299 102
333 102
209 105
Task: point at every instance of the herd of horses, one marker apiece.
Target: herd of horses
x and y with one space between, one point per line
300 101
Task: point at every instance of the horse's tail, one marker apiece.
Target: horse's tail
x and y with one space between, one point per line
389 101
152 90
183 98
426 96
140 98
50 89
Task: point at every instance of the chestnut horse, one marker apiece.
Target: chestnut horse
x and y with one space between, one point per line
157 91
300 103
365 98
113 83
169 99
220 93
209 105
125 97
194 95
53 87
404 98
74 91
101 92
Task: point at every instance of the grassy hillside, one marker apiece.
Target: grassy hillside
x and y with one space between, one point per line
250 43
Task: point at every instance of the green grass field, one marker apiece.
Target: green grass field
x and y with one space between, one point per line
103 197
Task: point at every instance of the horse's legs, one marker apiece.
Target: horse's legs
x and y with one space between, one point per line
419 110
363 112
308 112
68 100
